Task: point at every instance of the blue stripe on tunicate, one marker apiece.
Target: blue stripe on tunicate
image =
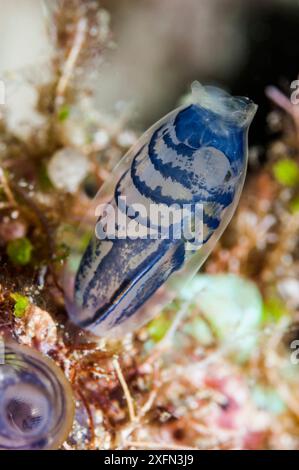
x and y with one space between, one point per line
117 192
104 266
85 265
169 170
146 291
180 149
130 276
210 221
198 126
125 209
222 199
188 126
157 196
166 170
184 177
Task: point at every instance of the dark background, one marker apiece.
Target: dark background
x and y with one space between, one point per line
269 30
273 59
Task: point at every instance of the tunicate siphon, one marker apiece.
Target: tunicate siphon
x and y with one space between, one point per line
160 214
36 403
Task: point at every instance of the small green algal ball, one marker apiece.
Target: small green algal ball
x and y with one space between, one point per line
21 304
19 251
286 172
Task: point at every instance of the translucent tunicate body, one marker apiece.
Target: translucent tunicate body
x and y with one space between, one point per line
188 171
36 403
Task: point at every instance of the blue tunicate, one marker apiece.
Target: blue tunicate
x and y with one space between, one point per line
176 191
